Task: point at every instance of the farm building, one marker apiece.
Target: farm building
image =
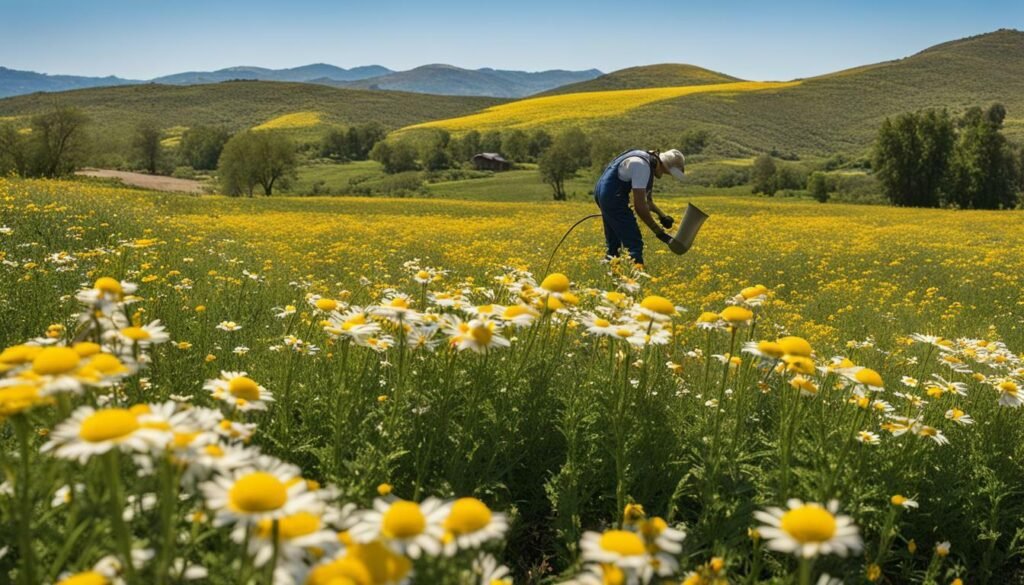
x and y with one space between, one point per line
490 161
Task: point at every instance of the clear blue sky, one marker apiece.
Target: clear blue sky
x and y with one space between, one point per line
750 39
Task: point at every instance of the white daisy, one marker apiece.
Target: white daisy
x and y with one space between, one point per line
409 528
808 529
269 489
623 548
240 391
89 432
469 524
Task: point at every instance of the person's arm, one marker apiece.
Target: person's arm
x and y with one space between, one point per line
653 206
642 209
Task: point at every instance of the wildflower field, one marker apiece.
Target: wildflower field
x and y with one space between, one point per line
355 391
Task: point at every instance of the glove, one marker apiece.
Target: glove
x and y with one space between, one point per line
664 237
666 221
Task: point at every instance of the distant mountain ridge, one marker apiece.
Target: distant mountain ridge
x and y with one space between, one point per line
450 80
432 79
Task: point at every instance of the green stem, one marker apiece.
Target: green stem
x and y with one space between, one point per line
121 533
28 568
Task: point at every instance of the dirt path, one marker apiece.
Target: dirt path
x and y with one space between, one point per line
154 182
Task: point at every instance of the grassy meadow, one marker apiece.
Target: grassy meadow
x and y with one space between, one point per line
379 391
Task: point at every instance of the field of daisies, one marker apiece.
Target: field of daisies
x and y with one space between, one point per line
379 392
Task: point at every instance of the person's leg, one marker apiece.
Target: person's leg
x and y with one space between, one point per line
612 243
628 232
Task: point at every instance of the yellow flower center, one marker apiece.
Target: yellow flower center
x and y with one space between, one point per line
612 575
599 322
86 578
736 314
659 305
485 309
794 345
109 286
482 334
423 275
135 333
399 303
86 348
708 317
1008 387
258 491
809 523
214 450
622 542
107 364
52 361
289 527
753 291
898 500
771 349
344 571
383 565
615 297
869 377
403 520
245 388
468 515
108 425
515 311
326 304
555 282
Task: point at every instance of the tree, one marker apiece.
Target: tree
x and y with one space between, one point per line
14 155
911 157
515 145
256 157
490 142
603 148
540 140
817 184
577 145
763 175
464 148
146 145
201 147
983 167
57 142
694 141
396 157
556 165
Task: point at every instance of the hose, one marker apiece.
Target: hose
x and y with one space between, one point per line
566 235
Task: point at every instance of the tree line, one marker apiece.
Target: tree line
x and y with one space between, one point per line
931 159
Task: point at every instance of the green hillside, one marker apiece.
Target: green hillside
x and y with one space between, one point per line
237 105
663 75
841 112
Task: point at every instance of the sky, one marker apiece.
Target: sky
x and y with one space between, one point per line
761 40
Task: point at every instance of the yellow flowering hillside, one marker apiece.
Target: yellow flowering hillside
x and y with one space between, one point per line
341 391
290 121
582 107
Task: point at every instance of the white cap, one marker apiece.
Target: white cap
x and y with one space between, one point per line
675 162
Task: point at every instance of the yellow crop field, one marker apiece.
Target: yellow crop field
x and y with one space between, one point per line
374 391
291 121
581 107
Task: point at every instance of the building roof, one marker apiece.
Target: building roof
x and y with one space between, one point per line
491 156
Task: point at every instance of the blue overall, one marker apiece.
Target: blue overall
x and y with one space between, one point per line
612 195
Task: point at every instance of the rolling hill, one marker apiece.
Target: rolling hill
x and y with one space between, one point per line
662 75
448 80
236 105
839 112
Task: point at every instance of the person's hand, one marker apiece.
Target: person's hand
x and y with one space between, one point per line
666 221
664 237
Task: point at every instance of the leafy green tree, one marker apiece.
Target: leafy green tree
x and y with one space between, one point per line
556 165
515 145
576 143
334 145
911 157
490 142
255 157
694 141
146 145
14 151
762 175
201 147
603 148
396 157
464 148
57 143
540 140
984 168
818 185
363 137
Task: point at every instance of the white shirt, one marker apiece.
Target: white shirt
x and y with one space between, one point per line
636 171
